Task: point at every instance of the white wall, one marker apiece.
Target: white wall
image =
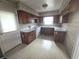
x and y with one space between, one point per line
11 39
72 32
76 50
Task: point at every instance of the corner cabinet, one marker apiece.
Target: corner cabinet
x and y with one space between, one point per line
28 37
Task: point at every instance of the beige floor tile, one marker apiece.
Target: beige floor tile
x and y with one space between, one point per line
42 48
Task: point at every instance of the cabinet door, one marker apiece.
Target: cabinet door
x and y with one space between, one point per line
56 38
30 39
56 18
24 37
27 38
59 36
19 17
32 36
50 31
23 17
47 31
65 18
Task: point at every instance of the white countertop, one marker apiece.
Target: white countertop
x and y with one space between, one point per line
27 30
48 26
60 29
34 28
55 28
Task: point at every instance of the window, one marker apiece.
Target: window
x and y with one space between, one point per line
48 20
8 21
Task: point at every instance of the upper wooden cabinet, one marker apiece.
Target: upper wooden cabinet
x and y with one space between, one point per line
65 18
23 17
74 5
71 7
56 18
40 19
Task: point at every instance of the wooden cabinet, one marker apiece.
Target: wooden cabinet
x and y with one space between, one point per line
23 17
47 31
65 18
59 36
56 18
28 37
72 7
38 19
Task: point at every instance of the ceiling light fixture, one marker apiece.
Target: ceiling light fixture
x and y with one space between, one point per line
45 5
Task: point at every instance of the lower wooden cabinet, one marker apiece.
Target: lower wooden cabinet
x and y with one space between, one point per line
28 37
59 36
47 31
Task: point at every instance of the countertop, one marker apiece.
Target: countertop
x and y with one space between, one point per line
34 28
27 30
55 28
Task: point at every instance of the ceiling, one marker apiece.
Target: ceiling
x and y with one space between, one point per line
53 5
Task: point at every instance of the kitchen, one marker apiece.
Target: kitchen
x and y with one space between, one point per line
29 25
42 25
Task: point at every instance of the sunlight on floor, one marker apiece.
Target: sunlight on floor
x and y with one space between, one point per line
47 44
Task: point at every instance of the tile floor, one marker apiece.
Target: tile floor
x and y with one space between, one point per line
42 48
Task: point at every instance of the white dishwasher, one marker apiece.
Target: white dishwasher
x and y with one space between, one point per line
38 29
